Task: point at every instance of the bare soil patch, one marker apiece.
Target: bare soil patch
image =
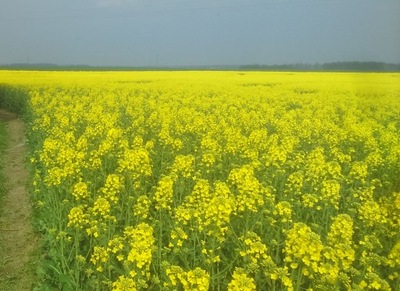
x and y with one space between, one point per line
7 116
17 238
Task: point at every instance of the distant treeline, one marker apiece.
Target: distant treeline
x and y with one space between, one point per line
329 67
55 67
335 67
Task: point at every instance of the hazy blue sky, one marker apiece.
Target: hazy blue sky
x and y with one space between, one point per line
198 32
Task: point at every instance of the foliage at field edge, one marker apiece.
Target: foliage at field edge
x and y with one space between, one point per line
3 186
216 180
3 143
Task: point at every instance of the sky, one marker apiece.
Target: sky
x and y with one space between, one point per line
198 32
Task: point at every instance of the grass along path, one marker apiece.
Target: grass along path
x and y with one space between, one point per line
17 237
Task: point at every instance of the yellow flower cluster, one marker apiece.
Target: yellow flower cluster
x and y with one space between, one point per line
196 279
80 190
249 190
303 248
141 242
340 238
164 193
241 282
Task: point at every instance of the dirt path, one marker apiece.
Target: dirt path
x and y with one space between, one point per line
17 238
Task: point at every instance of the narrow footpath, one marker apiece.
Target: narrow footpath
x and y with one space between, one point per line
17 238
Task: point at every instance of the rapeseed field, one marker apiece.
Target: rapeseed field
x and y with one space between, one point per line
214 180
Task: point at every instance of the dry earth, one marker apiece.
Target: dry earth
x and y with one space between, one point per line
17 237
